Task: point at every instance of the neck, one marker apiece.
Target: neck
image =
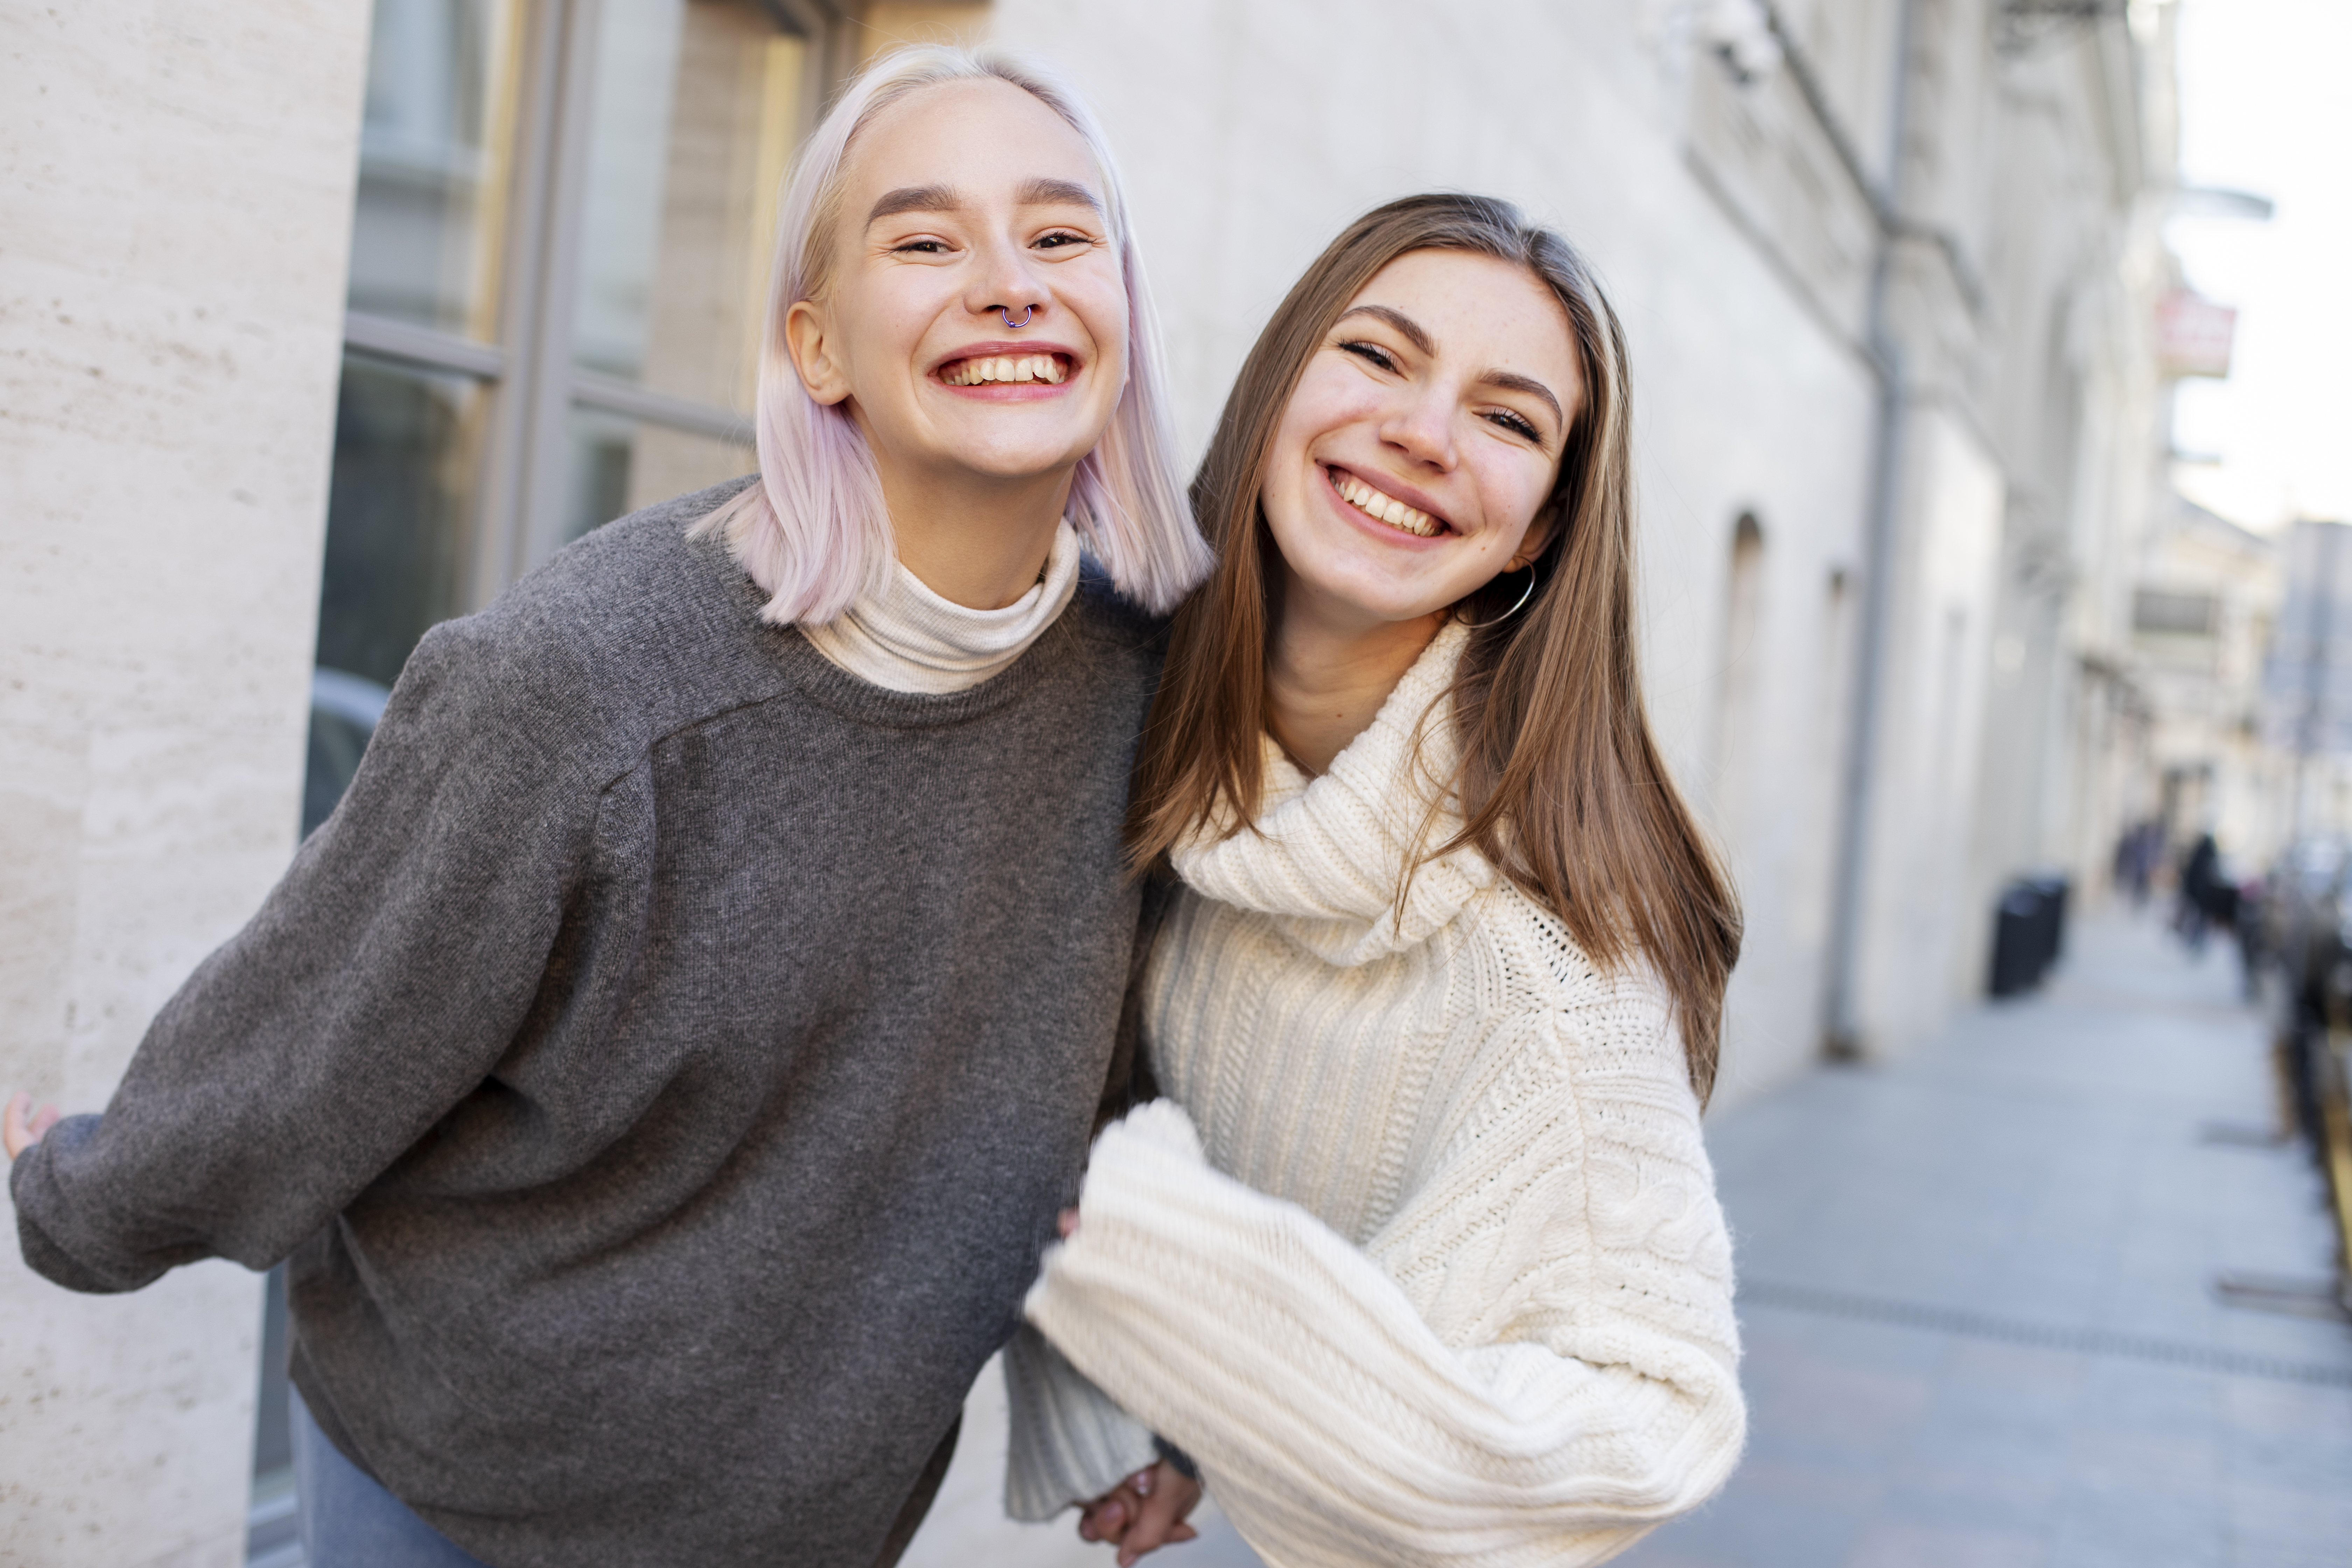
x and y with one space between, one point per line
1329 670
979 545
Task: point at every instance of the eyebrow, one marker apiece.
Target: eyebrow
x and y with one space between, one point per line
1400 320
1059 193
948 199
1412 332
1511 381
916 199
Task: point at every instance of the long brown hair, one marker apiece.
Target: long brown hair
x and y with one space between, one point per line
1560 780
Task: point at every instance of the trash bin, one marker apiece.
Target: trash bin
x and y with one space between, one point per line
2029 932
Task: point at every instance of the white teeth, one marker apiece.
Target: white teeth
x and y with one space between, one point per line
1001 368
1385 508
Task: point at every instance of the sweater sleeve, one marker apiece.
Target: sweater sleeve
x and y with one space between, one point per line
1566 1240
377 985
1070 1442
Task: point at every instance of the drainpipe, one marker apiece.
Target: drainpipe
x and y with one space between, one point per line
2314 674
1843 1038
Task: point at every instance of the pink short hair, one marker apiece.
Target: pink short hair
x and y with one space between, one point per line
814 532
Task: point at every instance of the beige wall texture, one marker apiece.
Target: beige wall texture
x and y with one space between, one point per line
175 188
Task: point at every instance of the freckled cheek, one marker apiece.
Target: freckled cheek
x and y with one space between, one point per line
1320 414
1508 497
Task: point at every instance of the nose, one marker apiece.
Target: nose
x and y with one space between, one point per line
1421 427
1004 278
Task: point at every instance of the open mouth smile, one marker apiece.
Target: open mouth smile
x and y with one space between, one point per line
1383 508
1007 370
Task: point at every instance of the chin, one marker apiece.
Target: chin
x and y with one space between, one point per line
1017 463
1386 603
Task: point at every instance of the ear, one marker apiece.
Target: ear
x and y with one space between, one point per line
808 338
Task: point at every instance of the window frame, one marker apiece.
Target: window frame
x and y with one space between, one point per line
528 373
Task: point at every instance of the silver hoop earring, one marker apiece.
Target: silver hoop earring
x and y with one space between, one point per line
1027 311
1525 595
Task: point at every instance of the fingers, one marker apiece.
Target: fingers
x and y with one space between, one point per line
1170 1495
21 1126
1143 1512
1105 1518
1068 1224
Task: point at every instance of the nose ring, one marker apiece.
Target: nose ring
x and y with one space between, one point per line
1026 312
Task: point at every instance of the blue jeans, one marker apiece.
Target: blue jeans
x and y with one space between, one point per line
348 1520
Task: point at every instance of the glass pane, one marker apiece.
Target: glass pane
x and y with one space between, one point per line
697 103
434 149
619 465
400 514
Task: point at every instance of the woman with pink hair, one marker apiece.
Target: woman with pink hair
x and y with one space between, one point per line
665 1067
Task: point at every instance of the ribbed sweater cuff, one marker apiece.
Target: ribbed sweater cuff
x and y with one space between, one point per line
1070 1443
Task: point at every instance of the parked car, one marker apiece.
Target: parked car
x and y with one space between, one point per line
344 709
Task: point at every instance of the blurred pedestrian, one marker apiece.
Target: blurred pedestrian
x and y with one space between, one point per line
2200 879
2252 928
1421 1260
2136 856
668 1061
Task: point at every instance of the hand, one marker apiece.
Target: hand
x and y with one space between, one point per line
1143 1512
1068 1224
21 1126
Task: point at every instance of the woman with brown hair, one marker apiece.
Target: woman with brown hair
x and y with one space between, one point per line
1421 1258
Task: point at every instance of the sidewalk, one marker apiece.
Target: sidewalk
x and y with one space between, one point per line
1976 1291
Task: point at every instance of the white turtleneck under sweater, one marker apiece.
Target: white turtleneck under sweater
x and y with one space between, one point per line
909 638
1421 1258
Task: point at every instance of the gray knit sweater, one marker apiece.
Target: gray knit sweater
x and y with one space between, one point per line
664 1067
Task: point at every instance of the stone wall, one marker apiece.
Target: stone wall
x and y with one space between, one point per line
175 189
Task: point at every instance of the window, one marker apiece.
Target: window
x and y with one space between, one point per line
2173 614
559 255
1738 680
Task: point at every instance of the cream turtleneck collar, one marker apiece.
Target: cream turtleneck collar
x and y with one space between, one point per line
1325 861
908 638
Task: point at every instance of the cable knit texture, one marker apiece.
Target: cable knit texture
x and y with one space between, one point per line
1421 1258
909 638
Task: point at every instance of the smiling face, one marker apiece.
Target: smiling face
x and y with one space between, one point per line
1413 460
960 199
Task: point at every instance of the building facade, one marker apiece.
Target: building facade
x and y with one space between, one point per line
493 276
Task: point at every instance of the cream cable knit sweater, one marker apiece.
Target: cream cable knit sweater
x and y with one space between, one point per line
1448 1283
